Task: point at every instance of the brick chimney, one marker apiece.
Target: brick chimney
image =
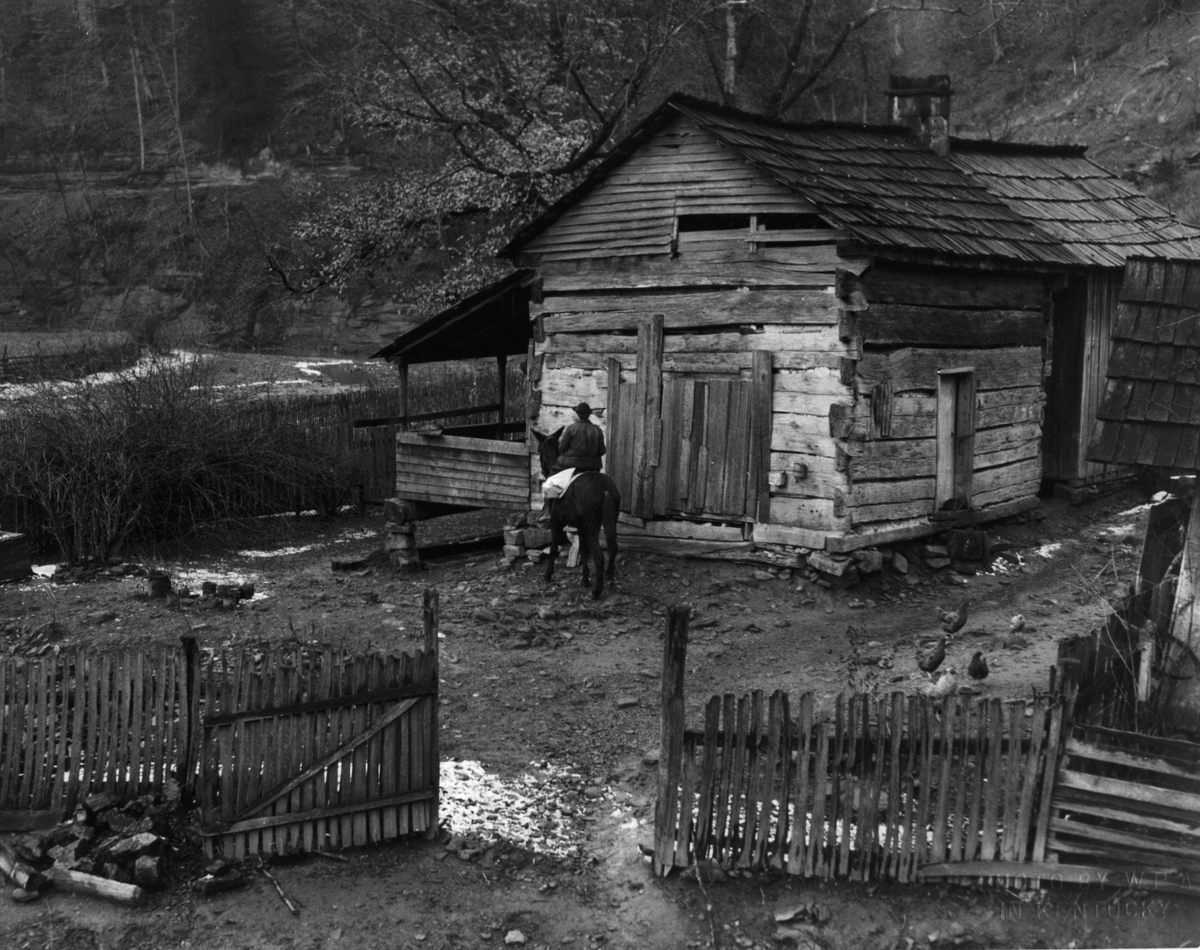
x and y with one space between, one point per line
923 104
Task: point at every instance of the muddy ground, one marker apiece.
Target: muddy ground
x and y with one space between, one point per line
550 730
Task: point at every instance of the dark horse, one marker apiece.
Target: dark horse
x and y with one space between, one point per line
591 503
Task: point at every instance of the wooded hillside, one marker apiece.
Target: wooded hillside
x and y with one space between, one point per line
299 172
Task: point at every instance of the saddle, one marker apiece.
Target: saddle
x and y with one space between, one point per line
559 482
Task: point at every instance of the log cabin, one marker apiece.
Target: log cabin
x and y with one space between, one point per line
826 335
1150 418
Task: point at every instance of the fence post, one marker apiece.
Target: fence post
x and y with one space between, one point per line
430 622
670 750
189 708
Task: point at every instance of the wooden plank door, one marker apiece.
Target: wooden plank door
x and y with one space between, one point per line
689 445
715 437
955 437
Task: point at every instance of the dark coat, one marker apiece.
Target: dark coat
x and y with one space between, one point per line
581 446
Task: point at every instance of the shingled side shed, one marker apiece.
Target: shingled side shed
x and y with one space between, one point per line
822 335
1101 221
1150 418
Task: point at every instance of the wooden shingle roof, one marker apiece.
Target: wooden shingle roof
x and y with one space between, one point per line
1025 204
1101 219
1150 414
881 187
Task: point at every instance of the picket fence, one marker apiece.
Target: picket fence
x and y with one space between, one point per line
876 791
916 788
284 748
88 721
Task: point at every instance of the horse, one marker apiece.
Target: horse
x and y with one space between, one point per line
590 503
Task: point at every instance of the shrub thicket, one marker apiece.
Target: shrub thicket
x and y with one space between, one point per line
154 453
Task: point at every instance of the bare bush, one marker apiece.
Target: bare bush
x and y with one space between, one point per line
155 452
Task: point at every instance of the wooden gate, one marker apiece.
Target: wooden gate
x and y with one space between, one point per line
313 750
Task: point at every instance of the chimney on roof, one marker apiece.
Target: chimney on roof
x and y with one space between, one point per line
923 104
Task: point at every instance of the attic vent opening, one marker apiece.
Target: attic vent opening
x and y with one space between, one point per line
711 231
788 221
713 222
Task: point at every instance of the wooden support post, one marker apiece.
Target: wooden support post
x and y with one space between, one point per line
648 435
189 703
502 382
430 622
670 754
402 395
758 487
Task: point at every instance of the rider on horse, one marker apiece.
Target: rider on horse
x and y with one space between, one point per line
581 445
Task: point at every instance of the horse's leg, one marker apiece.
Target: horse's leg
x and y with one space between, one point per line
610 535
598 556
584 537
555 532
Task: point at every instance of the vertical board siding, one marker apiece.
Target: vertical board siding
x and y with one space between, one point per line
1103 293
632 211
86 721
874 790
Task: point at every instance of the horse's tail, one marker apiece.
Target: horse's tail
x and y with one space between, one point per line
611 506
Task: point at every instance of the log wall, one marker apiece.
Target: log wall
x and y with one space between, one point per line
907 330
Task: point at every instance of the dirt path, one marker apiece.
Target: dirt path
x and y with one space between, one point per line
550 729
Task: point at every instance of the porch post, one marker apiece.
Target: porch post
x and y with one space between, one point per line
502 377
402 393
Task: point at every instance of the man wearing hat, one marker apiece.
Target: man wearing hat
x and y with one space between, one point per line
581 445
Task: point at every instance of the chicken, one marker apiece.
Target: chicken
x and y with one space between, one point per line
954 620
977 669
944 685
930 660
1017 623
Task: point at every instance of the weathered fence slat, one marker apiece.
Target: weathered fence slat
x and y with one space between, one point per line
83 721
900 787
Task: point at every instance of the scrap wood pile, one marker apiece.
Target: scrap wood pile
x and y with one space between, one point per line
106 848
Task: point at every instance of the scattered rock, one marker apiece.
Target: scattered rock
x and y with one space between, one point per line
800 936
626 702
869 560
22 896
146 871
212 884
514 938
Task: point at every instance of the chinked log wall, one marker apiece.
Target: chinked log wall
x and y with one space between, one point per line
908 326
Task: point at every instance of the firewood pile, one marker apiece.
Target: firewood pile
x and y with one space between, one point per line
108 848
